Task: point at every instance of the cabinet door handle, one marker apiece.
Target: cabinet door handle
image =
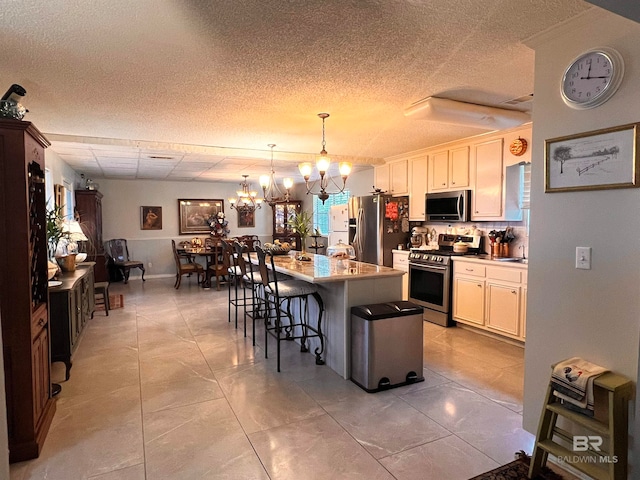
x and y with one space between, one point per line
453 183
469 269
513 291
443 184
41 322
480 285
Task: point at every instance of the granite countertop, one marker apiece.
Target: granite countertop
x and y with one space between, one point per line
323 269
487 260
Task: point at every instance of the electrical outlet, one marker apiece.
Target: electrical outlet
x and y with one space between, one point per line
150 264
583 258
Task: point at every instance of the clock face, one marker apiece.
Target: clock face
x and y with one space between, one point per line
592 78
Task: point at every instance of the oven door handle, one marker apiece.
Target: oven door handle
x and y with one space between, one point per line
426 267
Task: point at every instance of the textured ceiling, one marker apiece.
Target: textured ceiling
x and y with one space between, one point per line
210 83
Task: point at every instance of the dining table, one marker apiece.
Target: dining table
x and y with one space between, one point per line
212 255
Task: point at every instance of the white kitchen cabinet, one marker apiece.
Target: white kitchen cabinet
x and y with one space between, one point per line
401 262
503 307
382 178
399 177
439 171
459 168
488 172
468 300
491 297
393 177
417 188
449 169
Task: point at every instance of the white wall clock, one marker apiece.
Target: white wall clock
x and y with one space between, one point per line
592 78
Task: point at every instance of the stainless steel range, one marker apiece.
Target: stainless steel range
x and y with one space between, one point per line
430 276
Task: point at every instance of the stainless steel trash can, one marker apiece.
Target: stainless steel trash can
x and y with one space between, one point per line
386 345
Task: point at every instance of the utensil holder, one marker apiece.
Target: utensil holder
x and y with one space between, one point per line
495 250
504 250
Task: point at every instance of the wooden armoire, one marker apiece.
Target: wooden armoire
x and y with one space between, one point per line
89 208
24 288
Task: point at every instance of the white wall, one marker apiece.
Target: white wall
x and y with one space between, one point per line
588 313
121 217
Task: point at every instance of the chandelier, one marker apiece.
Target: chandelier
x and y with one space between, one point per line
270 190
322 164
246 200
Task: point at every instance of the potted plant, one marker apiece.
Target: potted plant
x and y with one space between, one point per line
55 229
301 224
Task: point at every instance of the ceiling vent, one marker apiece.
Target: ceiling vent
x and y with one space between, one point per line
453 112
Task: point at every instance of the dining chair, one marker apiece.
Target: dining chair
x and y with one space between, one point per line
118 252
280 321
185 268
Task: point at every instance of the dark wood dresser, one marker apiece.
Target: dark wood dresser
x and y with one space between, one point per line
71 305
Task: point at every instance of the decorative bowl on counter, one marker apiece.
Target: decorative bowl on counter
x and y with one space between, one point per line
341 251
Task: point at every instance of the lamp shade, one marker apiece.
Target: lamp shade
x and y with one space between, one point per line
74 231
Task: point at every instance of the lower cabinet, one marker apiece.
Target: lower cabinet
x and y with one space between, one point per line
71 306
401 262
468 300
490 297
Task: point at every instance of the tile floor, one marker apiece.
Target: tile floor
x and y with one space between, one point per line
166 388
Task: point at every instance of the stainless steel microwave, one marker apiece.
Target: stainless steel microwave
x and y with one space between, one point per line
448 206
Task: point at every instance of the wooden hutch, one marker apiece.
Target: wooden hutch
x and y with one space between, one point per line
24 292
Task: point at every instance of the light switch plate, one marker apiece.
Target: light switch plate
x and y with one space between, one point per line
583 258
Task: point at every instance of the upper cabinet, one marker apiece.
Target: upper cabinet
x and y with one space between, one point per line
417 188
487 167
449 169
392 177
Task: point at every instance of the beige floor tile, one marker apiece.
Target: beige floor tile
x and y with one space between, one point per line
448 458
173 368
102 372
198 441
261 409
92 436
491 428
316 448
187 391
223 354
385 424
135 472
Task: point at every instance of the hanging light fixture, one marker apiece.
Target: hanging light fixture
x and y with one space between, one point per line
246 199
322 163
270 190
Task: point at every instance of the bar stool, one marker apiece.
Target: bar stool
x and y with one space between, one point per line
278 298
235 275
251 280
101 293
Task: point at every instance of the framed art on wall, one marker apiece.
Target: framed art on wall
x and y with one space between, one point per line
596 160
195 213
246 217
151 218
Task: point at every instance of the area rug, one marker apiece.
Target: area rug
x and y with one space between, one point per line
517 470
115 301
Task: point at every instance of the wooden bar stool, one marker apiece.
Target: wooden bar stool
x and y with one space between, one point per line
101 292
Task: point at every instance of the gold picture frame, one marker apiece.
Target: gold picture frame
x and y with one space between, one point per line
151 218
596 160
194 213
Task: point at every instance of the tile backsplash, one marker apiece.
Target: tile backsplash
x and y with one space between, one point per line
520 229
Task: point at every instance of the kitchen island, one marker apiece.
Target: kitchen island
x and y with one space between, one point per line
342 285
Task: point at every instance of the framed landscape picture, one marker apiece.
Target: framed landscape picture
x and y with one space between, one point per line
151 218
596 160
194 213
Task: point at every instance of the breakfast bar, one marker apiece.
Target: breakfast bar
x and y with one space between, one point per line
342 285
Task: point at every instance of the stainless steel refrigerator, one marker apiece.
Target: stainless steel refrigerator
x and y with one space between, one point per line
377 225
